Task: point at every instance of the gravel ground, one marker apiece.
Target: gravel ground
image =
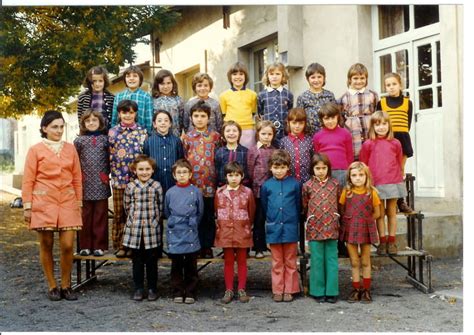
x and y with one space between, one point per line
105 305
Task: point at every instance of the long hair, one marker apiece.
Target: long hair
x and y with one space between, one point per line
368 178
375 119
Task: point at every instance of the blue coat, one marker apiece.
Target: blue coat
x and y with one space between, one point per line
184 207
281 204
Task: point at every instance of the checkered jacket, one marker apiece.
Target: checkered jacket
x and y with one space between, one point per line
273 106
143 204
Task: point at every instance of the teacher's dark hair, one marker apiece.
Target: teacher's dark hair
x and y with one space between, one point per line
49 117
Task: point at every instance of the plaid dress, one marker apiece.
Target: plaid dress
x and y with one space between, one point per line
273 105
358 226
143 205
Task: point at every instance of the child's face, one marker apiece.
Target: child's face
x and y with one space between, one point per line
358 177
358 81
279 171
162 123
265 135
382 128
166 87
320 170
54 131
127 117
202 89
330 122
200 120
237 79
275 78
393 87
234 179
132 80
92 123
182 175
296 127
316 82
144 171
97 82
231 134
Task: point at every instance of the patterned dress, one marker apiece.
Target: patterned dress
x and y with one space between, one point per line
358 226
300 149
175 106
320 199
311 103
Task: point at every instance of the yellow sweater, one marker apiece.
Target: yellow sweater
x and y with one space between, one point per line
239 106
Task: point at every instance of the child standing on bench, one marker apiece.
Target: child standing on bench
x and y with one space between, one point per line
384 156
360 207
320 198
184 208
92 146
235 209
280 197
143 205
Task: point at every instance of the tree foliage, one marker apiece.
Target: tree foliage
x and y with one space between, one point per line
45 52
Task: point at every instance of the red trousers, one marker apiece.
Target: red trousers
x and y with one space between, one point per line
284 272
230 254
95 227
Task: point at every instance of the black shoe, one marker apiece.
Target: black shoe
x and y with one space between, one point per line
68 294
331 299
152 295
319 299
54 294
138 295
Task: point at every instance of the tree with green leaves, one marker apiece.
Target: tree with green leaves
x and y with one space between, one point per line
46 51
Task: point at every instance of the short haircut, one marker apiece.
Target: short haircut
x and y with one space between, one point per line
264 124
199 78
87 114
231 123
133 69
201 105
238 67
315 68
320 157
357 69
181 163
96 70
329 109
142 158
47 118
233 167
127 105
159 78
272 67
279 157
162 111
376 118
296 114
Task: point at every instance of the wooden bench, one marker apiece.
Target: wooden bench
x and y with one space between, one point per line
416 261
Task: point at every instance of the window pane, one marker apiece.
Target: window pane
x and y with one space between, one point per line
440 97
426 98
385 67
259 68
393 20
425 15
438 62
425 66
401 60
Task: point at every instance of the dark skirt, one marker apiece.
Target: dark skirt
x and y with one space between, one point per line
405 141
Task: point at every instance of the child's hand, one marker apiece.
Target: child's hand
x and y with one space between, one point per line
27 215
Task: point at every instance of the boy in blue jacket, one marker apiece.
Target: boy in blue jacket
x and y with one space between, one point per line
280 197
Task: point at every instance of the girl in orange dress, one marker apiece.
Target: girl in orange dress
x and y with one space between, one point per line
52 197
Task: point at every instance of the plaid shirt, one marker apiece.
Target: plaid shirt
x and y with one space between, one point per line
145 107
224 156
300 149
143 204
199 150
311 103
215 119
175 106
273 105
356 108
257 165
